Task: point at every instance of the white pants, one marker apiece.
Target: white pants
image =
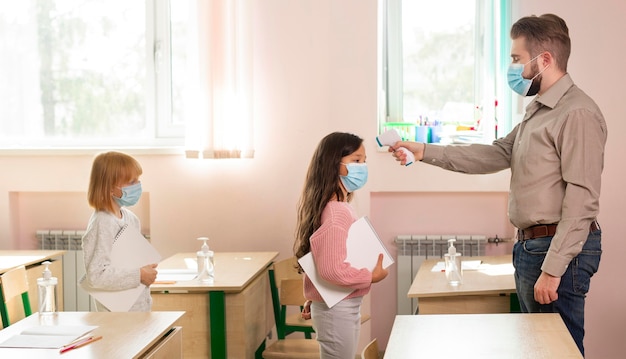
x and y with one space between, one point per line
337 329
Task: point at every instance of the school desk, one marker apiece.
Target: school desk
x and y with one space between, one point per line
227 319
511 336
124 335
486 290
32 259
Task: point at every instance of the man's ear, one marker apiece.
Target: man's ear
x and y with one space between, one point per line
547 59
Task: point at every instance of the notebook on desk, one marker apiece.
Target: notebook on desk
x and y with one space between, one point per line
50 337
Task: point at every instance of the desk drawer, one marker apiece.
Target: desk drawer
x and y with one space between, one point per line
465 304
169 347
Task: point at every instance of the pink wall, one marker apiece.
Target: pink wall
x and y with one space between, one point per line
33 211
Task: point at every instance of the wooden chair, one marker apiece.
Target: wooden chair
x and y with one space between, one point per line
14 282
286 287
371 350
287 292
285 271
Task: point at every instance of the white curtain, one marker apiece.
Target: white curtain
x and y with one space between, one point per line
219 109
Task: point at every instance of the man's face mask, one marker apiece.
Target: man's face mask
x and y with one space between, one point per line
518 83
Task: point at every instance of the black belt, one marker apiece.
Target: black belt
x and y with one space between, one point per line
545 230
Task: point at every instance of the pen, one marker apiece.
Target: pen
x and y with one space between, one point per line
78 340
80 344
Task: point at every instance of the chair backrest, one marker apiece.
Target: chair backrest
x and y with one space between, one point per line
371 350
291 292
14 282
286 269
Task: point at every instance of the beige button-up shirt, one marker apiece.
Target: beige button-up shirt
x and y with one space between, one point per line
556 157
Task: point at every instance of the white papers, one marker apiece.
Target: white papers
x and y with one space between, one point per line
363 246
176 275
53 336
331 293
130 250
465 265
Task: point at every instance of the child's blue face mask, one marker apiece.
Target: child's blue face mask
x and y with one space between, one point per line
130 195
517 82
356 178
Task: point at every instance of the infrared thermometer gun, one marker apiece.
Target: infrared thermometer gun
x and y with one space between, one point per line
390 137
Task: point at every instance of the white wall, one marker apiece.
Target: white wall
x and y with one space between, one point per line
315 72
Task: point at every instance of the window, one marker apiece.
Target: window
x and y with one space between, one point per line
119 73
443 77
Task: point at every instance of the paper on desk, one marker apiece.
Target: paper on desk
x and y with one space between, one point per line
51 337
363 247
465 265
130 250
176 275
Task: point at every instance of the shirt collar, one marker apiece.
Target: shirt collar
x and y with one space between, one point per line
556 91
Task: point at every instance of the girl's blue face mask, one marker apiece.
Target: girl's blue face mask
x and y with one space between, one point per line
130 195
517 82
356 178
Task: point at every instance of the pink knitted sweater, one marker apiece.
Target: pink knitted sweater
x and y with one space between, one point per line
328 247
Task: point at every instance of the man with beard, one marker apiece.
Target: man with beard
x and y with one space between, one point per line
556 157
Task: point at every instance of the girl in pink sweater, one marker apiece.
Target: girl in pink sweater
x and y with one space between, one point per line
337 169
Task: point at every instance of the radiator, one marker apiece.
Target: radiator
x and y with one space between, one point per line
414 249
74 297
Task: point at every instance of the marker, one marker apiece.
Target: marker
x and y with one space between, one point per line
80 344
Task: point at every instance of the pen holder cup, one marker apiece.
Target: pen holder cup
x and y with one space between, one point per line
423 134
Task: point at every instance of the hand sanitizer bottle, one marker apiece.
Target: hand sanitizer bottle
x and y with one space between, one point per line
454 272
47 286
206 265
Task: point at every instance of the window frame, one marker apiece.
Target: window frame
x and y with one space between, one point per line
493 21
166 138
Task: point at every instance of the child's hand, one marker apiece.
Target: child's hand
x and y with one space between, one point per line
148 274
379 273
306 310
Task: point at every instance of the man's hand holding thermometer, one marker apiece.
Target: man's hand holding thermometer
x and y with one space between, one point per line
389 138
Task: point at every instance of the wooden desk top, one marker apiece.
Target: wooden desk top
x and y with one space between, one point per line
233 271
495 276
512 336
124 335
15 258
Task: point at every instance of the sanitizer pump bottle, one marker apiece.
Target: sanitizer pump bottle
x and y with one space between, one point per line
454 272
47 286
206 264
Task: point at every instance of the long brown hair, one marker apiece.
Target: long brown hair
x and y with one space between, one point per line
321 185
110 169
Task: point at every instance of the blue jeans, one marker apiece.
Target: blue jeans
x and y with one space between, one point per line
527 259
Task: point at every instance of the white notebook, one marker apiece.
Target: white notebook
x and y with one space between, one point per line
53 336
363 245
130 250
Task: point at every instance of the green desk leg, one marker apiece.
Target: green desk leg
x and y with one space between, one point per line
514 304
217 320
